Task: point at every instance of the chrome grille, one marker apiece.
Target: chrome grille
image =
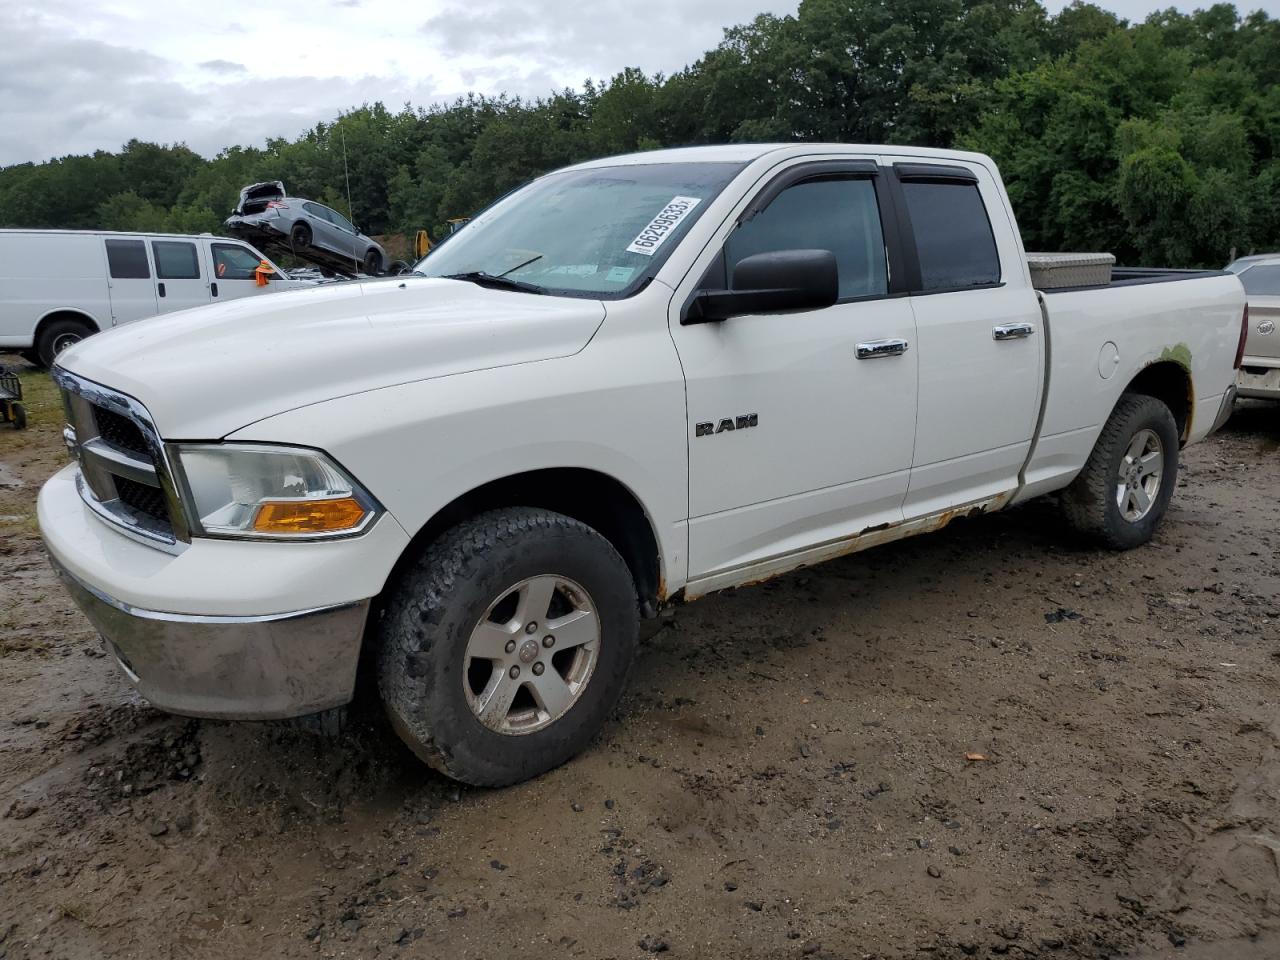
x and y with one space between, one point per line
119 431
124 475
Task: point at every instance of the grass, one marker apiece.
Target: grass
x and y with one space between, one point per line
29 455
40 397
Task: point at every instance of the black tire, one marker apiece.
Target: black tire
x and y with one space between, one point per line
300 236
19 416
1090 503
444 595
57 335
373 263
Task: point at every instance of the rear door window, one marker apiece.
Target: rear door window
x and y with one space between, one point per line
1262 281
954 242
127 260
835 213
317 211
231 262
341 221
175 260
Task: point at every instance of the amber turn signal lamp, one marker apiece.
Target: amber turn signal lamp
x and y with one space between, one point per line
308 516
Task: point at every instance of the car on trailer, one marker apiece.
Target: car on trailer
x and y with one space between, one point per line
311 231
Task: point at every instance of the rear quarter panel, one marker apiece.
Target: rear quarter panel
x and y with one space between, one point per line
1192 322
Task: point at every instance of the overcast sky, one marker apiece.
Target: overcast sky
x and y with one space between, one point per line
76 76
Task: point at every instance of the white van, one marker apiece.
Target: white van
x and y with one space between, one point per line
59 286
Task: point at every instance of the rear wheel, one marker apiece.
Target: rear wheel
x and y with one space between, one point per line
506 645
373 263
57 336
300 236
1124 489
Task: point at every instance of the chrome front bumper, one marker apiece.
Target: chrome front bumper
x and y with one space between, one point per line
231 668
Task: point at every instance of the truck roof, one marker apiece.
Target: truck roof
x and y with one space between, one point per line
747 152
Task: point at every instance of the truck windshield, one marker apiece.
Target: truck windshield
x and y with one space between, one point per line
595 233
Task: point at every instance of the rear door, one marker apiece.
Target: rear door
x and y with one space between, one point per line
1262 287
180 282
324 232
129 280
978 330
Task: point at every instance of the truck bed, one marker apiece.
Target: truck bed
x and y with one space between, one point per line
1137 276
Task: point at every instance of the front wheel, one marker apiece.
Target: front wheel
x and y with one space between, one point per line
372 263
504 648
1124 489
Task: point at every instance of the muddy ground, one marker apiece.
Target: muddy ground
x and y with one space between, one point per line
786 778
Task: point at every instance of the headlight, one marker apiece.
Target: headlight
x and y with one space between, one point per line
248 490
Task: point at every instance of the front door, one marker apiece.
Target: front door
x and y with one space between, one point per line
347 231
800 424
180 282
234 269
129 280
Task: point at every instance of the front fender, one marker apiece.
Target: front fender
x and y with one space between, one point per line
617 408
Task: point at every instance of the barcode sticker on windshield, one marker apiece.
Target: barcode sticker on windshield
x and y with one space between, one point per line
663 225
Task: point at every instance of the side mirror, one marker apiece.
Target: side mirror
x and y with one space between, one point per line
777 282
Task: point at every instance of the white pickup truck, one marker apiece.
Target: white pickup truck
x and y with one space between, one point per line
631 382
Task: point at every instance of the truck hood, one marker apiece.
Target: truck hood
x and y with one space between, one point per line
207 372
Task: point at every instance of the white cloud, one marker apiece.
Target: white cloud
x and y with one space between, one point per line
224 66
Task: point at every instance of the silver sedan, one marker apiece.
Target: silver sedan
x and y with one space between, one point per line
309 230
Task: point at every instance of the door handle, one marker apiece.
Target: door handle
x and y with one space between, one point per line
213 289
881 348
160 287
1012 331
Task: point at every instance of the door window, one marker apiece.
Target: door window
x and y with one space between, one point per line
127 260
953 235
175 260
341 221
317 211
1262 281
231 262
826 213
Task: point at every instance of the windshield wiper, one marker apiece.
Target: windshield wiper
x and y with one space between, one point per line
520 266
482 279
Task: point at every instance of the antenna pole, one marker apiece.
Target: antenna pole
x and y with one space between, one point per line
346 173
